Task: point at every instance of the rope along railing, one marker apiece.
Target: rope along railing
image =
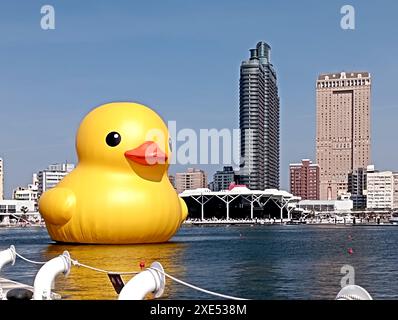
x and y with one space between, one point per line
79 264
26 259
198 288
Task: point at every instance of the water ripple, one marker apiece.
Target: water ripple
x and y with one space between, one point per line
260 262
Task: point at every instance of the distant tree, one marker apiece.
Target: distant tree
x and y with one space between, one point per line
24 210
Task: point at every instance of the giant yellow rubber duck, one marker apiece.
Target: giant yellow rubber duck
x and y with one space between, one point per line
119 193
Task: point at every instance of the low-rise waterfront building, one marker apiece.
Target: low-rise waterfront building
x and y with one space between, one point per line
239 202
11 207
340 206
14 211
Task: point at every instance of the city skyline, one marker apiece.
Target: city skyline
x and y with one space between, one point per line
53 78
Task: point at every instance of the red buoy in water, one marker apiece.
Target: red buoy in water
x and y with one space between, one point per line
142 264
350 251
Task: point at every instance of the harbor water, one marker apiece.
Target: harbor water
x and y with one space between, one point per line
256 262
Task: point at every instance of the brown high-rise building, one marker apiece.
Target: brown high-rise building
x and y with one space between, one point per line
343 128
304 180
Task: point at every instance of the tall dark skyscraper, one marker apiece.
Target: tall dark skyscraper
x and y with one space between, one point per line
259 121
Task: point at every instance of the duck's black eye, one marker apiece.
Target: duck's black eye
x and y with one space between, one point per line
113 139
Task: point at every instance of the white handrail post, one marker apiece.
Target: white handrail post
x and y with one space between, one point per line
7 256
151 280
45 278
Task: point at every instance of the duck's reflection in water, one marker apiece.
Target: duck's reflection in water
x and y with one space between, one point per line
83 283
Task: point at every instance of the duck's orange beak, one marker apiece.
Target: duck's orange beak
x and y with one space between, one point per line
147 154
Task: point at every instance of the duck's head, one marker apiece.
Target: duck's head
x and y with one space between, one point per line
125 137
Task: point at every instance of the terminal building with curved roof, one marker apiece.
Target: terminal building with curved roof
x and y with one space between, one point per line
239 202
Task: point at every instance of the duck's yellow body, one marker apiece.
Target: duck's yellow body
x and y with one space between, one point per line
119 192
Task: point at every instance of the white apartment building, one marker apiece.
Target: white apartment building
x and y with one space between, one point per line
24 194
63 167
50 177
382 189
29 193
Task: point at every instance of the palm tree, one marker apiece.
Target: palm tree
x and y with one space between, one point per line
24 210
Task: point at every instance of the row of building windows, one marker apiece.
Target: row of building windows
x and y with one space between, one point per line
8 209
343 83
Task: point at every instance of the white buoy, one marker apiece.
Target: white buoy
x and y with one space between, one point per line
148 281
45 278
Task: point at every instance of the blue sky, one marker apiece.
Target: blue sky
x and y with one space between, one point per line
182 58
